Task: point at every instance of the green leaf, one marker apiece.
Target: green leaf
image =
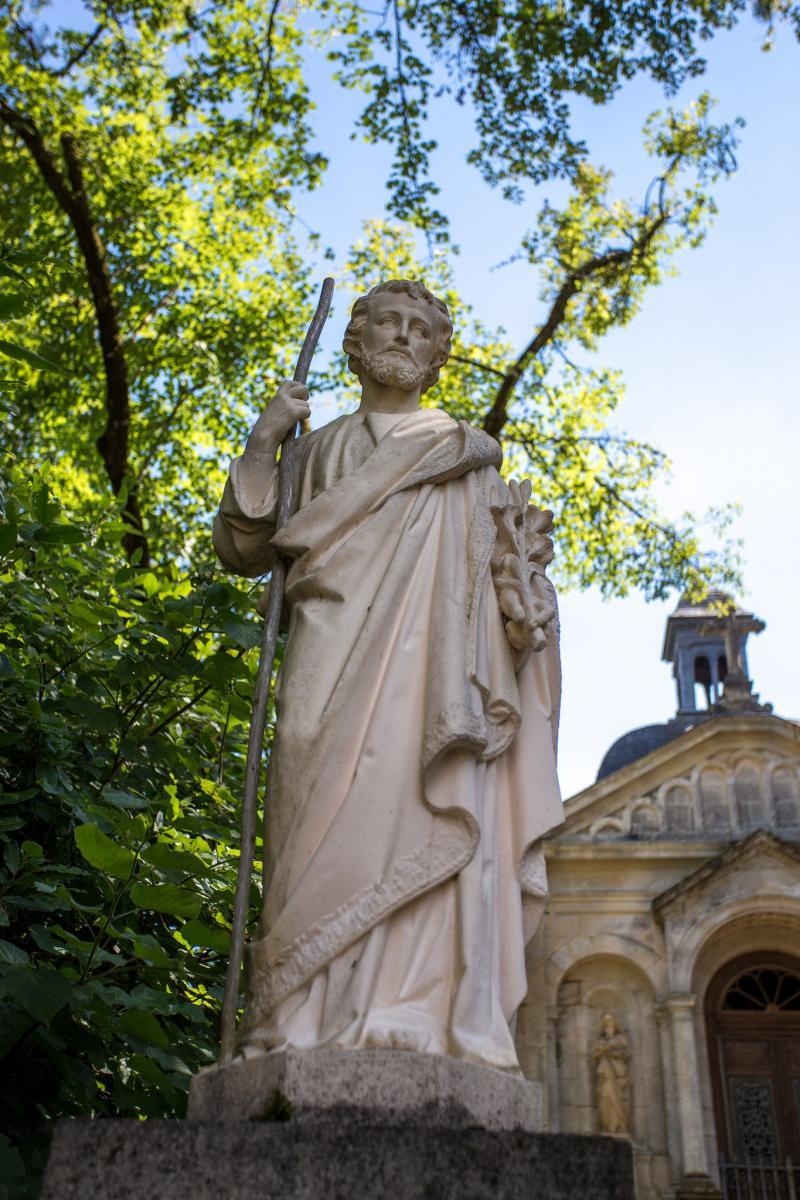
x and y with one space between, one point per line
22 354
166 898
41 992
45 940
14 304
143 1025
8 537
60 535
100 851
124 799
208 937
8 272
11 857
150 950
221 668
13 954
244 633
148 582
165 858
14 1024
152 1074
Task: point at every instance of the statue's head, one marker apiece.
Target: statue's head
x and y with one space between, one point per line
610 1026
399 335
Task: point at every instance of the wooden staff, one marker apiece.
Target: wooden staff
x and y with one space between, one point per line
258 722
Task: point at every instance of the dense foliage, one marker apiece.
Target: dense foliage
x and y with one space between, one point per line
154 285
125 706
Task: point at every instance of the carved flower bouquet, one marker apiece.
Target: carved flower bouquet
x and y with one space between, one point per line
522 550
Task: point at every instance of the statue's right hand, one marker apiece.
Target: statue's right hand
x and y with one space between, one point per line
288 406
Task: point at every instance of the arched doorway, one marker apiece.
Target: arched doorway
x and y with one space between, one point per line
753 1023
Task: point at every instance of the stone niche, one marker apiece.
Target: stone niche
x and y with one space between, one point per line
589 990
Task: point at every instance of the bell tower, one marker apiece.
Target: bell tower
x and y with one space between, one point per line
706 642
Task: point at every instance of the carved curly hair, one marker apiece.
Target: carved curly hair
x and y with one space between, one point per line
351 343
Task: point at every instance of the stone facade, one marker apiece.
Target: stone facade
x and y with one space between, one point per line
668 871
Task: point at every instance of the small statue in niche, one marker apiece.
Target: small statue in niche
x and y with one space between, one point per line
612 1078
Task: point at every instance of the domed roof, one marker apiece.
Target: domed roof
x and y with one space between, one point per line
636 743
705 642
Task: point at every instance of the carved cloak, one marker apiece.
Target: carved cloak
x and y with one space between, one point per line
397 687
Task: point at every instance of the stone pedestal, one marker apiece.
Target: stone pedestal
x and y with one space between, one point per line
376 1086
341 1125
289 1160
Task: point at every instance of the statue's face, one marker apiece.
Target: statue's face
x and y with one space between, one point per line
398 340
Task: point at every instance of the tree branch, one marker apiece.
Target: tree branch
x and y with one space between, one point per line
80 53
612 260
265 79
70 194
27 132
473 362
114 440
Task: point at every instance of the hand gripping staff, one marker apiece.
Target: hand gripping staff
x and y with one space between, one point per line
255 743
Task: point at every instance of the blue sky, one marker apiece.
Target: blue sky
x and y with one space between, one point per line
710 363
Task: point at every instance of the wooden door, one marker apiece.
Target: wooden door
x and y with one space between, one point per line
753 1021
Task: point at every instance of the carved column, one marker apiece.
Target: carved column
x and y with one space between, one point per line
553 1090
584 1070
696 1181
663 1017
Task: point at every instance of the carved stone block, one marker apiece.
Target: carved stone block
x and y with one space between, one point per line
371 1085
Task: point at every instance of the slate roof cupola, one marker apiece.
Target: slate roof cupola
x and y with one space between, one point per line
706 642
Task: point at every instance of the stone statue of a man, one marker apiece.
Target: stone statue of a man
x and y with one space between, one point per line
413 771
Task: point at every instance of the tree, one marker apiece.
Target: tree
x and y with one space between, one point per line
597 257
158 214
155 288
152 153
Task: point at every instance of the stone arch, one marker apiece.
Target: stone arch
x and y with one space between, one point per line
592 986
751 808
757 923
715 809
736 927
679 808
644 818
785 791
608 945
607 827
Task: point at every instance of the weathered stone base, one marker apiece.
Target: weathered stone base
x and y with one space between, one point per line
375 1086
328 1160
697 1187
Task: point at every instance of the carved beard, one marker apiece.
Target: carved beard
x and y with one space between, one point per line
392 369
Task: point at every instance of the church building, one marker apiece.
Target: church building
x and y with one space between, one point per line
664 998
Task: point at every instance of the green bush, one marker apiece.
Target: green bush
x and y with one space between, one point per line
123 727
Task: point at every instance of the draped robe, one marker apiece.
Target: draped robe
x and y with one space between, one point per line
412 775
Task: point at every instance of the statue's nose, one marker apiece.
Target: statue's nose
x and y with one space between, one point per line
401 337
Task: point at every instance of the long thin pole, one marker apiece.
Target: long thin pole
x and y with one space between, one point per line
255 745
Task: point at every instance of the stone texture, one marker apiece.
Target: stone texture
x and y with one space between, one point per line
295 1160
698 1187
382 1085
650 897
